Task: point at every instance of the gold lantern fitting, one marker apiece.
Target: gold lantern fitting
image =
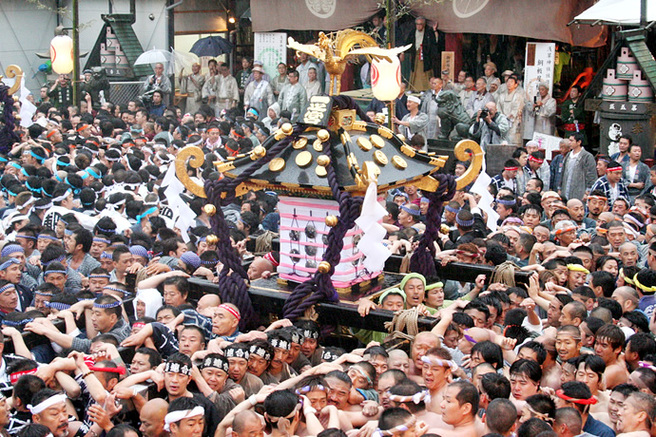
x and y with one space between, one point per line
209 209
331 220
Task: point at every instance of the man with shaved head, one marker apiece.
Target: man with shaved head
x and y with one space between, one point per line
247 424
627 297
152 418
577 212
420 345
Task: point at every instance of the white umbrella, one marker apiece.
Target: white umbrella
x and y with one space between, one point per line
181 61
153 56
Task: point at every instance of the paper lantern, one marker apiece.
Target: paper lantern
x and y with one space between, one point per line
386 79
61 54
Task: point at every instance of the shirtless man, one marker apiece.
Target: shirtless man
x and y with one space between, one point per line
459 408
421 344
411 397
436 372
608 345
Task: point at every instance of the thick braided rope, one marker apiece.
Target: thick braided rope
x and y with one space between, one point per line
423 260
7 134
233 277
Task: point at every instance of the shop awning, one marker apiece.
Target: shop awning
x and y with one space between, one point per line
543 19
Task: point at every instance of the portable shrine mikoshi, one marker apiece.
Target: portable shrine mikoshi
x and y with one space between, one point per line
321 167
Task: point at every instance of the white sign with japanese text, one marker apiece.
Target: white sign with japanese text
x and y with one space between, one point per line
271 49
539 67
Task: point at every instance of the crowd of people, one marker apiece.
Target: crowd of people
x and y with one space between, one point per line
96 259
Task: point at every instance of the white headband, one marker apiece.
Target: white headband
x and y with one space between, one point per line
434 361
63 196
176 416
52 400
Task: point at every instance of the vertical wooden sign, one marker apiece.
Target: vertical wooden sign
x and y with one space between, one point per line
448 64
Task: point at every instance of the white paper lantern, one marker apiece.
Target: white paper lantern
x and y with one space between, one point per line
61 54
386 79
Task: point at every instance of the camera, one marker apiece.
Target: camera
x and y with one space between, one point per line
484 113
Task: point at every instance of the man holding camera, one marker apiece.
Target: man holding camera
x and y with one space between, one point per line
158 82
490 127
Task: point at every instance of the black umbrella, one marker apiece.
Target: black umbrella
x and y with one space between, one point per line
211 46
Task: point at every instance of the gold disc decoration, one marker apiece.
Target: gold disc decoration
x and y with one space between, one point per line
380 158
257 153
300 143
399 162
317 145
323 160
364 144
323 135
277 164
304 159
377 141
287 128
321 171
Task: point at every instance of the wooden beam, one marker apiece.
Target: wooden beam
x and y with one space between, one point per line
270 302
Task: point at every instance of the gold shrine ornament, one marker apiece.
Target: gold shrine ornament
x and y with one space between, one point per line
380 158
304 159
277 164
331 220
399 162
209 209
324 267
300 143
377 141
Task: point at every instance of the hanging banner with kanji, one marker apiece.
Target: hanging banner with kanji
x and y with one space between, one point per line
539 67
271 49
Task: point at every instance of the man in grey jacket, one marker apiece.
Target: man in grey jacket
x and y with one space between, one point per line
490 127
579 170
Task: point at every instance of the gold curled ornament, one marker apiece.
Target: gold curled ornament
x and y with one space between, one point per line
462 153
196 158
14 71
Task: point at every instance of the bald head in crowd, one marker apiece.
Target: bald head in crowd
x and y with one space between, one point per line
152 418
247 424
